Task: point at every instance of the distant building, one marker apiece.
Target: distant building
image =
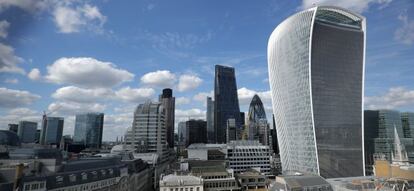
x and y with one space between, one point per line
316 63
27 131
8 138
210 121
257 122
273 135
168 101
148 132
252 180
231 130
300 182
216 177
226 102
407 119
89 129
181 182
13 127
379 128
52 129
243 155
196 131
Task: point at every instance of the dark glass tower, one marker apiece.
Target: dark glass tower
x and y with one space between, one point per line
88 130
168 102
52 129
226 102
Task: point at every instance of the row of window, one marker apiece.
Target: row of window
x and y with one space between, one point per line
34 186
198 188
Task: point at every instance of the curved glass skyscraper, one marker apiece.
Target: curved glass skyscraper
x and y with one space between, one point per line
316 70
257 122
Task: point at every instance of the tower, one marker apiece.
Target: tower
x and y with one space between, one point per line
316 72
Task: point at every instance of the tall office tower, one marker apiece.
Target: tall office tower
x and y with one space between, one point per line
379 127
88 130
148 132
52 129
226 102
257 122
196 131
316 68
231 130
182 133
168 101
407 119
13 127
273 134
27 131
210 121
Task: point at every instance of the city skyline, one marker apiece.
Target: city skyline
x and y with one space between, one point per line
178 53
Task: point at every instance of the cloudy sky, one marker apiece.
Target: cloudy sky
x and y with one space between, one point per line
108 56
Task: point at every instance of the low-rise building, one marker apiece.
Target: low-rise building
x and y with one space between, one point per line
300 182
243 155
173 182
252 180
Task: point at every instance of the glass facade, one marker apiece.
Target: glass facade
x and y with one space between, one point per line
407 119
27 131
210 121
226 102
88 129
168 102
315 61
257 122
52 129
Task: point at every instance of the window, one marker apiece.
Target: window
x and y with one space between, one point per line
27 187
59 179
72 178
42 185
84 176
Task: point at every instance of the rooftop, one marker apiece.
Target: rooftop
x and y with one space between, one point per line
180 180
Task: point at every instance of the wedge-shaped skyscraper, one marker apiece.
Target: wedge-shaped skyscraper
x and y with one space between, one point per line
316 70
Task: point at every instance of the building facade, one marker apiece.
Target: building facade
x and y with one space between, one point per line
89 129
407 119
13 127
211 138
27 131
51 132
243 155
316 66
226 102
181 182
196 131
168 101
148 132
379 135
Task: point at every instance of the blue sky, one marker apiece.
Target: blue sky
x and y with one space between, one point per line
109 56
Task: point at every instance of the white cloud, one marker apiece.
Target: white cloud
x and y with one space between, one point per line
73 108
159 78
27 5
70 19
355 5
134 95
405 33
80 95
86 72
182 101
184 115
395 97
16 98
188 82
4 26
11 81
202 96
246 95
34 74
19 114
9 61
115 125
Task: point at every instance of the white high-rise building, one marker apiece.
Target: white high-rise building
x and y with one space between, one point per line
316 72
148 131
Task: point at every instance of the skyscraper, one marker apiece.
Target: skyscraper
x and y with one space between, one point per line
89 129
51 132
13 127
257 122
196 131
407 119
27 131
380 127
210 121
168 101
226 102
148 132
316 68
